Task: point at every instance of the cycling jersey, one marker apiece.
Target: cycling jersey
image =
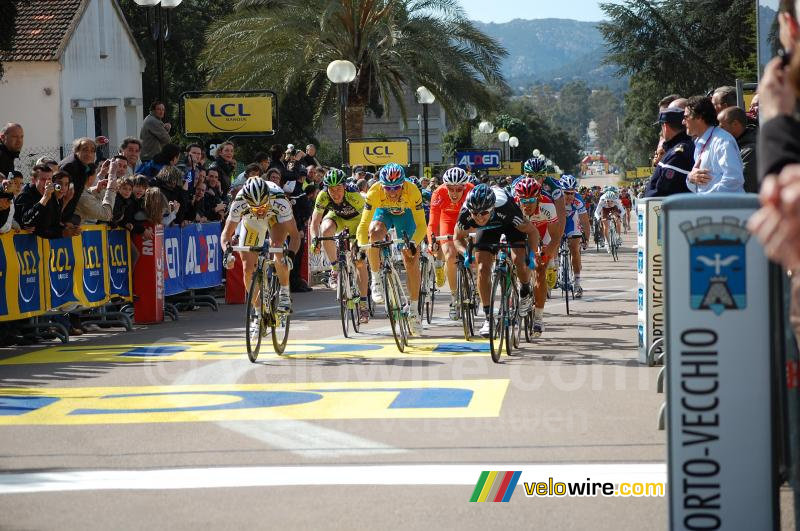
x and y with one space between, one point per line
606 207
444 212
351 206
575 209
550 187
544 215
626 201
506 217
253 230
405 214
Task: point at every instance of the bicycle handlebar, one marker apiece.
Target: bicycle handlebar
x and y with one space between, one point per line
247 249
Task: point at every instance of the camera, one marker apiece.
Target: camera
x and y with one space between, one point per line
57 187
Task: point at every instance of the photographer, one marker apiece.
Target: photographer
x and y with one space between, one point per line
47 216
97 201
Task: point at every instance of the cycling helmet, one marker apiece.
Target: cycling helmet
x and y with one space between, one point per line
568 182
481 198
256 192
534 165
455 175
526 188
392 175
611 195
334 177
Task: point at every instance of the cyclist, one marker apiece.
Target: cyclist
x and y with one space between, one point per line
494 213
577 229
627 203
541 211
609 205
446 204
394 202
261 208
339 207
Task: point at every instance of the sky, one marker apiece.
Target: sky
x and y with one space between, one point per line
505 10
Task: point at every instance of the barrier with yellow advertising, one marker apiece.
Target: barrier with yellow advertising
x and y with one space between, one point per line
644 172
232 113
508 168
40 275
379 152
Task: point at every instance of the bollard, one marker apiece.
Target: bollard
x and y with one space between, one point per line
722 464
148 305
235 291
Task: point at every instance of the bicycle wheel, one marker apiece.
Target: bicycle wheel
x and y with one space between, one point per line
465 304
527 326
341 294
253 319
370 302
423 286
512 341
565 280
354 298
497 317
612 235
394 312
280 320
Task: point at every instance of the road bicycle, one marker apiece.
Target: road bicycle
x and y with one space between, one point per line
427 284
598 233
504 319
347 292
565 279
613 237
396 302
262 303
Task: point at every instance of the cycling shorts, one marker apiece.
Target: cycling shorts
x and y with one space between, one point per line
447 226
253 232
608 212
402 223
487 238
342 223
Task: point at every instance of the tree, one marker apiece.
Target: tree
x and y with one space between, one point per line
8 14
572 114
395 45
686 47
605 110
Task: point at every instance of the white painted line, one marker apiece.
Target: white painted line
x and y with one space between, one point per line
278 476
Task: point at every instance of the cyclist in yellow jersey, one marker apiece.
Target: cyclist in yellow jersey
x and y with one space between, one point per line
394 202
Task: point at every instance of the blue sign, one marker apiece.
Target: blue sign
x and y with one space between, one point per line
62 273
201 256
479 160
641 299
718 268
30 273
173 264
94 285
118 261
641 224
640 261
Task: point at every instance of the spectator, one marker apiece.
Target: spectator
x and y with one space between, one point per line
275 158
168 156
226 164
262 159
669 175
12 137
293 164
191 166
274 175
310 157
135 217
170 180
79 164
752 112
123 201
302 209
718 165
213 185
46 216
363 187
213 206
734 120
97 203
6 208
130 148
157 209
359 172
723 98
31 194
155 132
15 183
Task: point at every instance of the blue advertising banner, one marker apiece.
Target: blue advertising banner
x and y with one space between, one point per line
479 160
201 255
119 263
173 280
23 275
95 256
61 252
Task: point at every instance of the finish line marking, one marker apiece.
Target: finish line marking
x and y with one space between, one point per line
283 476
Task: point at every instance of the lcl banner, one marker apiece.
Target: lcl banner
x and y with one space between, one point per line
379 152
119 263
23 275
243 113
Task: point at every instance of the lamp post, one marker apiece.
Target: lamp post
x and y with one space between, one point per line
159 31
471 113
342 73
425 97
513 142
486 128
503 137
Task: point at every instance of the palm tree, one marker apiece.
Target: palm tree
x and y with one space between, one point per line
395 45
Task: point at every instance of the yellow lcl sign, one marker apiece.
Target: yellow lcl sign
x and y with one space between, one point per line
228 115
377 153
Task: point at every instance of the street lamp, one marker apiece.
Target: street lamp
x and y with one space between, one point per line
159 31
503 137
486 128
513 142
342 73
425 97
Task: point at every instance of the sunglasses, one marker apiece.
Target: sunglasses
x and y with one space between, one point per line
393 188
481 214
528 200
456 187
259 211
569 192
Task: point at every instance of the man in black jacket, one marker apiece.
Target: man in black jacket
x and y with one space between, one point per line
11 140
46 216
31 193
79 165
669 176
734 120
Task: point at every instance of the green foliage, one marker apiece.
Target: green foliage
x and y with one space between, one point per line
605 109
395 46
686 47
8 13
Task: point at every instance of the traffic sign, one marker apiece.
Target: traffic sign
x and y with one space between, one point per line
427 172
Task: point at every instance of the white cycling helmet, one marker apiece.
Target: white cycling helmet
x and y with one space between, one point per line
611 195
455 175
256 192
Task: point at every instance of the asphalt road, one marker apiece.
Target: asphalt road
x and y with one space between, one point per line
171 425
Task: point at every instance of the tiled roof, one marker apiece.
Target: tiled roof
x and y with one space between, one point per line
42 26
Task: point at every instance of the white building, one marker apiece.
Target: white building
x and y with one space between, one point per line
75 70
